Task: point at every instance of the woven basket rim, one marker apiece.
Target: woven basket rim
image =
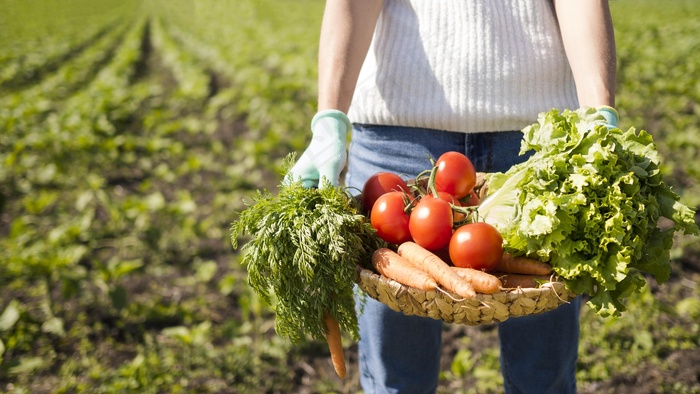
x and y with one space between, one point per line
451 308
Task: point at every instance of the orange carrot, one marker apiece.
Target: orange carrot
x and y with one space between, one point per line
483 282
335 345
390 264
522 265
521 280
435 267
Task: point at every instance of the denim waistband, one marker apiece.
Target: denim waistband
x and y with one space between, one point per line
407 150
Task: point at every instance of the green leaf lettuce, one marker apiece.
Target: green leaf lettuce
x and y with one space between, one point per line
589 201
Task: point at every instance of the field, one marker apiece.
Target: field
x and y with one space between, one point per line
131 132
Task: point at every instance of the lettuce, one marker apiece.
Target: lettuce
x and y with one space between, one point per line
589 201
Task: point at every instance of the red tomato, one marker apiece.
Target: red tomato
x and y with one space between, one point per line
471 200
378 184
444 196
389 218
457 216
431 223
476 245
455 174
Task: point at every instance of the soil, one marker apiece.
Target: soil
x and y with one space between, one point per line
685 363
680 368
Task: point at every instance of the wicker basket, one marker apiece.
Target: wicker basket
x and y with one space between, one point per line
451 308
484 309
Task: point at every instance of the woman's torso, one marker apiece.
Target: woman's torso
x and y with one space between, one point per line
463 65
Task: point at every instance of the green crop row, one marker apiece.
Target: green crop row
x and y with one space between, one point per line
38 36
113 194
659 83
123 164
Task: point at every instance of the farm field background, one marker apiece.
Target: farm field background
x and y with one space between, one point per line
132 131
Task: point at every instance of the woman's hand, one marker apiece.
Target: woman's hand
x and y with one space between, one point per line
346 33
326 155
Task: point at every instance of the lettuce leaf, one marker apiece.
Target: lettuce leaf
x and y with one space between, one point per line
589 201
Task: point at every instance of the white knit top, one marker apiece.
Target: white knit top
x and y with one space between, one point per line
463 65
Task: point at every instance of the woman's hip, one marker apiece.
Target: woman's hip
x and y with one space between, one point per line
407 151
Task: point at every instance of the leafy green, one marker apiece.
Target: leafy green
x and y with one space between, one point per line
302 258
589 201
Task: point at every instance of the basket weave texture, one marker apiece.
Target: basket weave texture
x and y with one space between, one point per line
484 309
451 308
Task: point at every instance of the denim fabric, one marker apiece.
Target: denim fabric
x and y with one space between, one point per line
401 354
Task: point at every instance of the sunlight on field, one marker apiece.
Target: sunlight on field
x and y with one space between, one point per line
132 131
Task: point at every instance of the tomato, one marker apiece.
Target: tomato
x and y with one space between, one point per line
457 216
455 174
476 245
471 200
390 219
378 184
431 223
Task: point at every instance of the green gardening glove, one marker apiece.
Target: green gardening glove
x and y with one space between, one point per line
610 116
326 154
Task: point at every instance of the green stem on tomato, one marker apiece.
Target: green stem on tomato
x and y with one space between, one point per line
431 182
422 174
416 186
471 215
409 202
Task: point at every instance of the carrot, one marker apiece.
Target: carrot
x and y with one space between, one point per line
521 280
435 267
522 265
335 345
390 264
483 282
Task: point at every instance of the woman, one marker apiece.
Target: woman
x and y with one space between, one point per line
418 78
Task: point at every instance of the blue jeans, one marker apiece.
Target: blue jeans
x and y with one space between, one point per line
401 354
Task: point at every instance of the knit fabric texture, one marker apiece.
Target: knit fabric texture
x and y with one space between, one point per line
463 65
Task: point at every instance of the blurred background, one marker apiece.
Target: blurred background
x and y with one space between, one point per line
131 132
